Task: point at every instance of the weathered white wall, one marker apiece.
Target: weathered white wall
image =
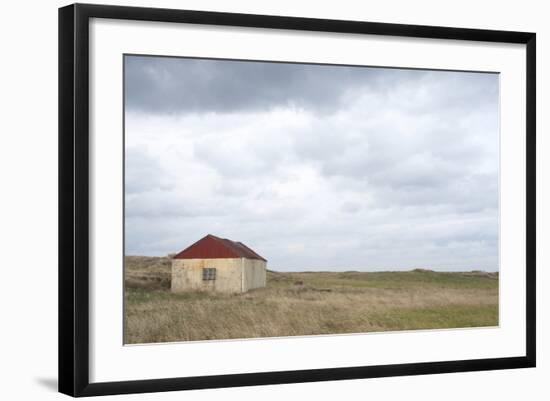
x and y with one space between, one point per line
187 275
232 275
254 274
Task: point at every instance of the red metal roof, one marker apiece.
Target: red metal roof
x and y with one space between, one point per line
212 247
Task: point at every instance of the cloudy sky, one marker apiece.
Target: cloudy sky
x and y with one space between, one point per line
315 167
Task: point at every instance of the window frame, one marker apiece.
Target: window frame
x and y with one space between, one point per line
208 274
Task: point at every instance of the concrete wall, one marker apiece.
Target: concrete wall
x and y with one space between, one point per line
187 274
254 274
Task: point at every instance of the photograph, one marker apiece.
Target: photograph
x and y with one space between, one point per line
278 199
251 198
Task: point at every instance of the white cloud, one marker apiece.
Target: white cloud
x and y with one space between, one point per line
395 177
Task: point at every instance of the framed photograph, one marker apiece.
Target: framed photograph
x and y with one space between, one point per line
252 199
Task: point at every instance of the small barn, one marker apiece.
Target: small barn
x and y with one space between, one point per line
218 264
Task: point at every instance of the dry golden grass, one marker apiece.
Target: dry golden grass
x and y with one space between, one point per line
147 272
305 303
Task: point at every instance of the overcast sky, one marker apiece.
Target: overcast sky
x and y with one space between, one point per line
314 167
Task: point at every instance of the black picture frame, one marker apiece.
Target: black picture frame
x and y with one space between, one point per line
74 198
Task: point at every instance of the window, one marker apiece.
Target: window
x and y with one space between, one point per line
208 273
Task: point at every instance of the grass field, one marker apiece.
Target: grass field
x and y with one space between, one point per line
305 303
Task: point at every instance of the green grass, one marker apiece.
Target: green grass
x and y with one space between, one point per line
437 317
396 280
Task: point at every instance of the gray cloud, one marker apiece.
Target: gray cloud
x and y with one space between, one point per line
316 167
175 85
